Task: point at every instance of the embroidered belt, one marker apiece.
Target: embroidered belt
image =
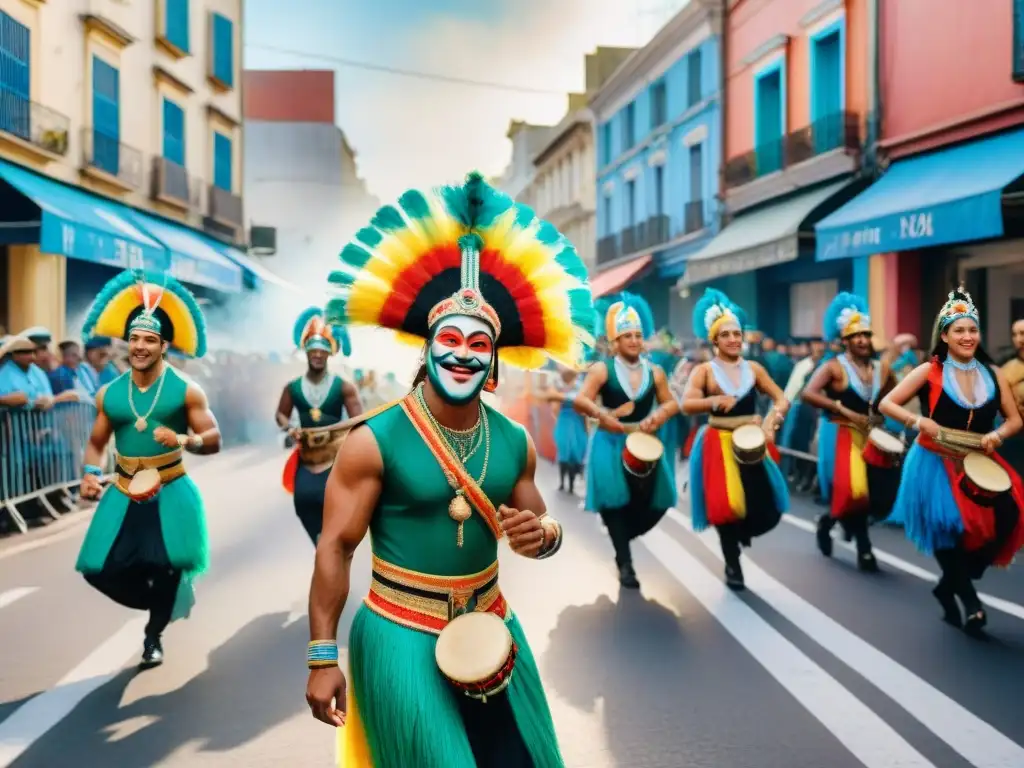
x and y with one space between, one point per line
427 603
319 445
169 465
729 423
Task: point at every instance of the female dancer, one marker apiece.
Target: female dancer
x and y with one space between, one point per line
570 429
741 500
963 393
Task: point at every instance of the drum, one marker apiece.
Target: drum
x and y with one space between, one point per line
641 454
883 449
476 654
983 480
144 485
749 444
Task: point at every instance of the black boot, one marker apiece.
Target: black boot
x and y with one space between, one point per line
866 561
734 575
943 592
627 576
824 534
152 653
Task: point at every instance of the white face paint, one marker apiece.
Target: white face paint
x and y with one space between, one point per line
459 359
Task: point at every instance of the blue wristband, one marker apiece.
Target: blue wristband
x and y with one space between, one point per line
92 469
321 654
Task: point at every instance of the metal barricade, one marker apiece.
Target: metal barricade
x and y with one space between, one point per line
41 457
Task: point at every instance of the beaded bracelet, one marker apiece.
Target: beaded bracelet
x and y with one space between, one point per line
92 469
322 654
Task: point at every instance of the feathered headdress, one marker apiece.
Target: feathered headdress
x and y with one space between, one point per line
627 312
311 332
713 311
468 250
959 305
148 301
846 316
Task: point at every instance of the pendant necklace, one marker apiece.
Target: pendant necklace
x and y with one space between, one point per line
316 394
142 421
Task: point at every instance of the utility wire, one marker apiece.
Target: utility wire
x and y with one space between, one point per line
352 64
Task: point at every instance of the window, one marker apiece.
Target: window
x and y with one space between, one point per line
606 214
694 92
223 61
1018 40
174 133
176 24
631 202
827 89
629 118
659 190
222 162
15 50
606 143
807 305
693 213
769 119
106 116
659 104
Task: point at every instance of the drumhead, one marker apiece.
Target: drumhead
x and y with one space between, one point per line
986 473
473 647
886 441
144 481
644 447
749 437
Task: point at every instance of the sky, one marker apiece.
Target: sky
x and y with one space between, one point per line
413 132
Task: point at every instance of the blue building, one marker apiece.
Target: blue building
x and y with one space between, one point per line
659 144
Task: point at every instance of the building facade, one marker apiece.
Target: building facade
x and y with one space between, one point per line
120 143
796 107
951 145
527 140
658 126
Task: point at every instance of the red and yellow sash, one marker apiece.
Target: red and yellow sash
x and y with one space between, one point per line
452 467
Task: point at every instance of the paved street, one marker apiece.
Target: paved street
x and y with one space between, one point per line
815 665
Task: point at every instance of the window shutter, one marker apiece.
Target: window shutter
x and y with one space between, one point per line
1018 40
222 162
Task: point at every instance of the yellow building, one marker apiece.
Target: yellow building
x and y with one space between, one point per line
120 141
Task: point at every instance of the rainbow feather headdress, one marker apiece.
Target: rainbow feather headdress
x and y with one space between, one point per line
468 250
312 332
712 312
148 301
846 316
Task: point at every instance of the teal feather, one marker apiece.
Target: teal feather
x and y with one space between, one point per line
340 334
110 290
712 297
355 256
844 300
301 321
547 233
191 305
472 240
341 277
336 311
524 215
370 236
571 262
389 219
415 204
457 203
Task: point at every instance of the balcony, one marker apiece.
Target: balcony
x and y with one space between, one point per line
644 236
107 160
693 217
826 148
32 128
224 207
171 184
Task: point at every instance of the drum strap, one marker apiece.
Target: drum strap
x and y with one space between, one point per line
453 469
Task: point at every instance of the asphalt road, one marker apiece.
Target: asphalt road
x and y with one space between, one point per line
815 666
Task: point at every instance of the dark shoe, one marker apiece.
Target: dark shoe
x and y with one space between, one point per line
627 577
734 577
975 623
950 608
866 562
824 535
152 653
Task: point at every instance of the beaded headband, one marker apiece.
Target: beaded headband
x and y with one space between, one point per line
958 306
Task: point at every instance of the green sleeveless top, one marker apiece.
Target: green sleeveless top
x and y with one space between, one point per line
169 411
333 408
613 394
410 526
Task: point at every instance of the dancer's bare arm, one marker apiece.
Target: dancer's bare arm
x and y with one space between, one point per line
283 415
201 420
530 531
353 404
95 449
667 405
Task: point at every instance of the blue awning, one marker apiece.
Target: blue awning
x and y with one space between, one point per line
192 259
950 196
79 225
250 265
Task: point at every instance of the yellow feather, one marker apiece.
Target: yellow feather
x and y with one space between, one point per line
366 300
526 358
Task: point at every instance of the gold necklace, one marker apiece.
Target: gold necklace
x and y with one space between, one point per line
141 422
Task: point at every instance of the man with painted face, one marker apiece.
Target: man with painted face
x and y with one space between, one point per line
634 395
847 389
147 541
322 399
439 479
741 499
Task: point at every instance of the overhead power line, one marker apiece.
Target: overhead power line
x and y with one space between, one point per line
418 74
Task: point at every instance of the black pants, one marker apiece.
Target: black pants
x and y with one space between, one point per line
635 519
568 471
960 568
493 734
310 488
855 527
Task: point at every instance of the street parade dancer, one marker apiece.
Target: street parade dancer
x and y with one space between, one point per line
958 499
147 541
735 481
322 399
441 674
570 429
630 480
858 461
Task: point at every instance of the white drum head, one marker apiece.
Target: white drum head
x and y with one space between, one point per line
644 447
473 647
887 442
749 437
143 482
986 473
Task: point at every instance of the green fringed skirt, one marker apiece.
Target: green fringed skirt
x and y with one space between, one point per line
167 532
403 713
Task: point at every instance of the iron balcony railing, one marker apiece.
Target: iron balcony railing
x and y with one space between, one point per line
224 207
171 182
38 125
693 217
107 154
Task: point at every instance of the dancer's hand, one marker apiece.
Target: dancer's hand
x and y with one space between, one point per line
166 437
524 530
722 403
990 442
325 694
610 424
91 487
929 427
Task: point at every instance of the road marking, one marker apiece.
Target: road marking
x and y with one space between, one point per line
38 715
969 736
13 595
866 735
998 603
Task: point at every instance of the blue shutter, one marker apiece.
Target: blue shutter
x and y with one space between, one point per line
223 49
176 23
106 116
174 133
1018 40
222 162
15 80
